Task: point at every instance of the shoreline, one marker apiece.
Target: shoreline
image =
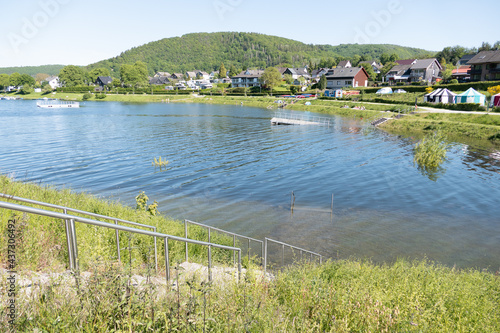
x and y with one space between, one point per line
461 126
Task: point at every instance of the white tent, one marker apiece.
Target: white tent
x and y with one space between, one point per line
385 90
440 96
470 96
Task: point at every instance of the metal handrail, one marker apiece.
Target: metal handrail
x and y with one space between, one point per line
283 251
67 209
210 228
72 243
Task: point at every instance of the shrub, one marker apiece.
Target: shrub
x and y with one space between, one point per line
430 153
240 90
454 81
100 96
86 96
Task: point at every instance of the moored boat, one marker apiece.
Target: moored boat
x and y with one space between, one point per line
56 104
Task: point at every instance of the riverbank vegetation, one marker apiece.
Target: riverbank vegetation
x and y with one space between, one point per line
337 296
42 240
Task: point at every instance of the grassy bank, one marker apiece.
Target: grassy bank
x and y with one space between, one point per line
42 240
338 296
476 126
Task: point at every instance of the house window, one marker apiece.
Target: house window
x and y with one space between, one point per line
338 83
349 83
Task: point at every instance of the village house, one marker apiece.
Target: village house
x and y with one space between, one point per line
297 72
338 78
102 82
202 75
318 73
461 73
398 73
176 76
425 70
375 66
159 80
158 74
344 64
247 79
465 59
485 66
190 75
53 82
406 61
413 70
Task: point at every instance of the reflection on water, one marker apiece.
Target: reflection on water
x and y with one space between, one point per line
228 167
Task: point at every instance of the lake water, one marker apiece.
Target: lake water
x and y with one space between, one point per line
229 168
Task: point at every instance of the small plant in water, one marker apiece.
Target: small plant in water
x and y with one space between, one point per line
430 153
159 163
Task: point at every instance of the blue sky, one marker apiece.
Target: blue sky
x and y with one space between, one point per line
38 32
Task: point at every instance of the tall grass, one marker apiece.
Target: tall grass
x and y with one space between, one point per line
341 296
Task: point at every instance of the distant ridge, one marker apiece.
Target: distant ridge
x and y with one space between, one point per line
206 51
32 70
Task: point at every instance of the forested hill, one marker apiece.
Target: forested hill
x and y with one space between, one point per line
206 51
32 70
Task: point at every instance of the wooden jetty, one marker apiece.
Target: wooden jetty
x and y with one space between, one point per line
283 118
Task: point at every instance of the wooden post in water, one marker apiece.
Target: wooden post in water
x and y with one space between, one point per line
332 203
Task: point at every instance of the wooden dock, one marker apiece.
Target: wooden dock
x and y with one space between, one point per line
282 118
285 121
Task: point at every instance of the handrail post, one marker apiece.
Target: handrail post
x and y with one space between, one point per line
248 252
282 255
234 252
69 242
75 245
262 254
156 253
239 265
210 263
265 255
167 261
118 243
186 236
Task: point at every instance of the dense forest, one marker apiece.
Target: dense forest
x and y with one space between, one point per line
33 70
207 51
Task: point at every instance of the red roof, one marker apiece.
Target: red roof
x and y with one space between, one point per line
461 70
405 61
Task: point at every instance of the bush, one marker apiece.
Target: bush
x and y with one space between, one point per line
454 81
100 96
86 96
430 153
240 90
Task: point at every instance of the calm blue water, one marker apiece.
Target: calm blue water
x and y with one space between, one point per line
228 167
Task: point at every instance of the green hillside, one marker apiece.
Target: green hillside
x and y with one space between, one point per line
206 51
32 70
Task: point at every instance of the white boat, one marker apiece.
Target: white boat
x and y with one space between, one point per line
54 104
